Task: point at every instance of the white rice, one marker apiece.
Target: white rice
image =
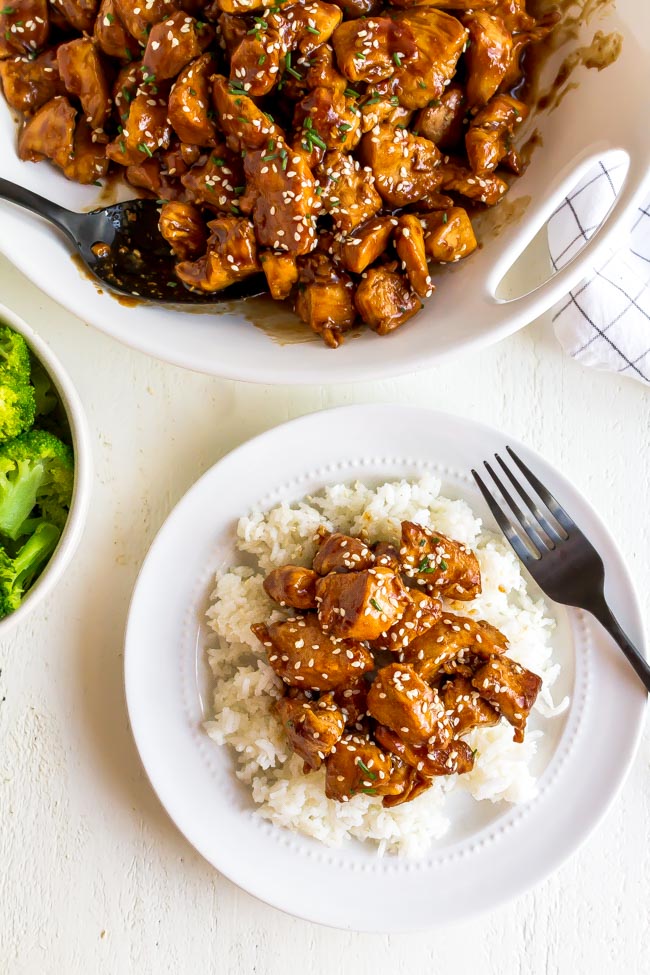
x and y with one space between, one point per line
246 685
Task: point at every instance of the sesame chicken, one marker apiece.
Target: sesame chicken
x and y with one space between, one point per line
292 585
190 103
304 656
448 235
466 708
489 137
360 605
356 765
183 228
231 255
450 639
510 688
312 727
352 698
83 76
455 757
401 700
421 612
445 566
384 299
341 553
324 126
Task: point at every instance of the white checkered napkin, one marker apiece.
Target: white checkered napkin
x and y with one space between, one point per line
605 321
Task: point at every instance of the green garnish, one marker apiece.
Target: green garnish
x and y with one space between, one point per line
122 146
360 56
351 93
425 566
397 59
373 100
192 92
240 118
217 161
236 88
369 792
313 30
289 68
445 218
143 147
364 768
422 84
261 59
373 602
126 95
443 565
110 18
8 10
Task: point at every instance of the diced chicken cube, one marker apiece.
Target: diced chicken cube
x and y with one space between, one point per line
489 136
24 27
487 57
360 605
446 566
325 299
82 73
255 62
409 244
292 585
448 235
365 244
352 698
281 271
510 688
348 191
452 638
190 103
306 657
315 24
174 43
246 125
371 50
465 707
440 40
111 36
442 121
146 130
421 612
49 134
28 85
356 766
401 700
231 256
430 760
139 18
405 166
88 162
457 178
325 118
384 299
312 727
183 227
214 182
342 553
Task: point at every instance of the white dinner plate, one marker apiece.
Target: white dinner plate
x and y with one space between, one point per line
496 851
477 302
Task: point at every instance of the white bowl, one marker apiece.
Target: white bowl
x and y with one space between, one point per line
71 535
606 112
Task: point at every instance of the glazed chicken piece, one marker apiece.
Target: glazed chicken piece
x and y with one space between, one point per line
360 605
190 104
292 585
442 121
356 765
87 162
447 567
148 175
487 57
386 554
231 256
421 612
489 136
456 177
454 758
183 227
401 700
255 61
384 299
281 271
440 40
461 5
326 119
465 707
280 194
325 299
353 700
409 244
213 182
306 657
139 18
49 134
312 727
321 71
78 14
240 6
315 23
245 125
174 43
359 8
448 235
28 85
341 553
24 27
82 73
146 130
348 191
371 50
405 166
379 108
111 36
450 639
510 688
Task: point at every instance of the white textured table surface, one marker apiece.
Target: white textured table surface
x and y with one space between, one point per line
94 878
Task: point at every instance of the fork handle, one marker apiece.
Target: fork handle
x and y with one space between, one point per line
604 615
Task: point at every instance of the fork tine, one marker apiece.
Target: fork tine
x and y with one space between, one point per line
551 502
553 534
525 522
505 525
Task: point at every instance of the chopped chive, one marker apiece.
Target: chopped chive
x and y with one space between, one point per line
359 56
110 18
364 768
192 92
143 147
373 602
217 161
443 565
241 118
424 566
445 218
313 30
261 59
397 59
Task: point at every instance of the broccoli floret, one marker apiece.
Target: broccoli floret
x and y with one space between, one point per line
36 469
17 409
18 574
15 359
44 392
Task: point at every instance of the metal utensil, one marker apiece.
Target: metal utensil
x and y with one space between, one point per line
123 247
561 560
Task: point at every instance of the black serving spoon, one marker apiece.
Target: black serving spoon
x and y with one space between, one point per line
123 247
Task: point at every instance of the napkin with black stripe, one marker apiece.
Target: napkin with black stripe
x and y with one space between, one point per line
605 321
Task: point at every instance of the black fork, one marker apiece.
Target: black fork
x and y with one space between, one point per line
561 560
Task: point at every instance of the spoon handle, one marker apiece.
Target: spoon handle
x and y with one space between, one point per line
57 215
